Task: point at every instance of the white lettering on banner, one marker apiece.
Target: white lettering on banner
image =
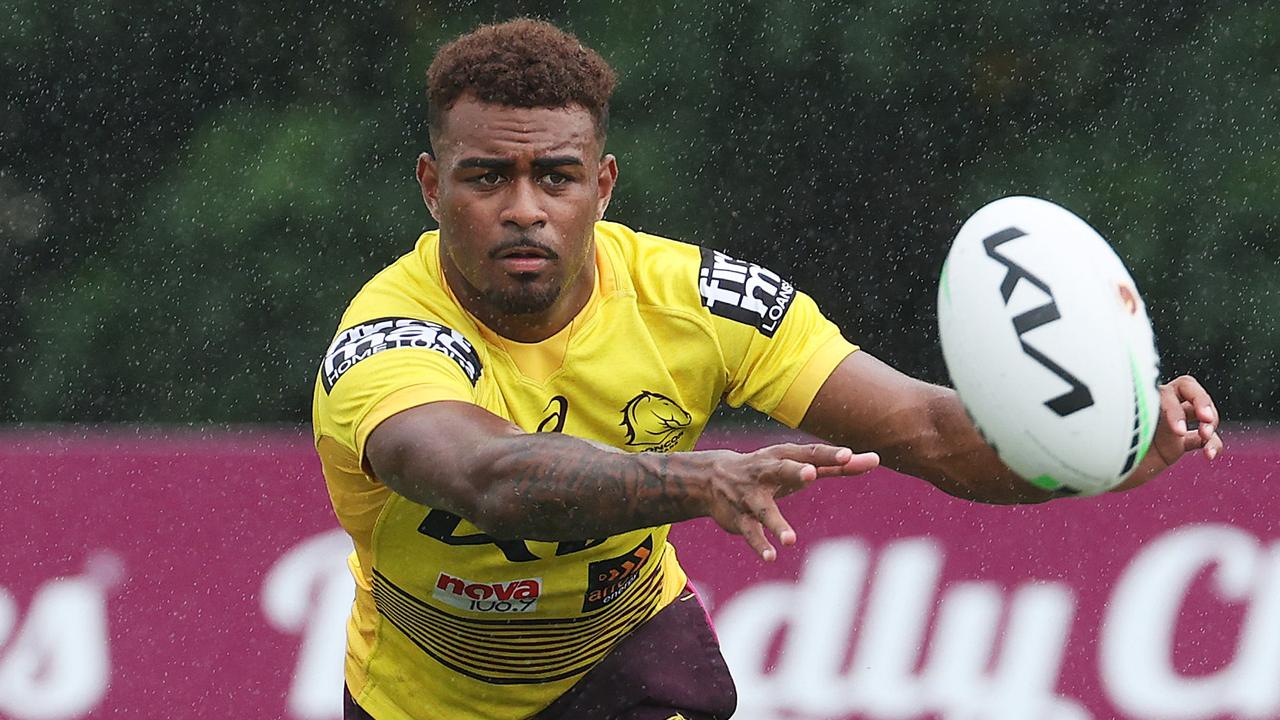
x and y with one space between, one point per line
57 664
309 592
889 640
1138 632
971 670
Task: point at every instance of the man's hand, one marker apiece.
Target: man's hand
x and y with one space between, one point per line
923 430
1182 400
742 488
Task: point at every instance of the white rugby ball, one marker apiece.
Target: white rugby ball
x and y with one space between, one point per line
1049 346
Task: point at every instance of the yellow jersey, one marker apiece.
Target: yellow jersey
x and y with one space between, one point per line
451 623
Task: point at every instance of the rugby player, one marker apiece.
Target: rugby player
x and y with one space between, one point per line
507 414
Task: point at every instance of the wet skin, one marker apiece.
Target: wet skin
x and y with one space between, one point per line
517 192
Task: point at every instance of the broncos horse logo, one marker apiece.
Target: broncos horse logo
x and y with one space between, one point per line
654 422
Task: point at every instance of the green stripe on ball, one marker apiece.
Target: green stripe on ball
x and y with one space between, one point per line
1044 482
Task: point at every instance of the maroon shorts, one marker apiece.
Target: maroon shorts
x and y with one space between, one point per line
670 666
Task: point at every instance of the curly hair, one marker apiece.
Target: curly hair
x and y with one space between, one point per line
520 63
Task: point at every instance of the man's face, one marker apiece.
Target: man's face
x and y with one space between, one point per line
517 192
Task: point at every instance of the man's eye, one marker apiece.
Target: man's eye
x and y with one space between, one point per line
556 179
489 178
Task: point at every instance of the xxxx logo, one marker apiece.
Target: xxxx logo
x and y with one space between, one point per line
654 422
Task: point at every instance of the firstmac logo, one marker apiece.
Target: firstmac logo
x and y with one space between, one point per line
744 291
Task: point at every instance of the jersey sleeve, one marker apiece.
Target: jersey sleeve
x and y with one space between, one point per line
778 347
378 368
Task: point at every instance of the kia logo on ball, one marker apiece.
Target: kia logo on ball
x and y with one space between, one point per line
1078 397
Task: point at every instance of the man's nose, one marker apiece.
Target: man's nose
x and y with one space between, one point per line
524 207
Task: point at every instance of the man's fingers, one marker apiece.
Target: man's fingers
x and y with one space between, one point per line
1213 447
1171 410
827 460
833 472
1203 432
753 532
1190 390
1189 411
787 468
1207 431
1208 441
1195 405
1211 444
766 512
790 476
858 464
816 454
862 462
1192 441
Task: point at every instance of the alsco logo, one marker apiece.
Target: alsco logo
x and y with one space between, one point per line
514 596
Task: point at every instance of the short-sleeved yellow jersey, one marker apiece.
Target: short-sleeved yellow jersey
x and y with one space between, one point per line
449 622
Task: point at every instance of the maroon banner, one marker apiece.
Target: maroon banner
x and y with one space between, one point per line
162 575
900 602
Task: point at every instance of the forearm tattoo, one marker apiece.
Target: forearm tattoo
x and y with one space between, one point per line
559 487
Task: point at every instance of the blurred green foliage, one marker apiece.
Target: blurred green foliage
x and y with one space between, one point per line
190 192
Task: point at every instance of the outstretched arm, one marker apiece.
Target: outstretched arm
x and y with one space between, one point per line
549 486
922 429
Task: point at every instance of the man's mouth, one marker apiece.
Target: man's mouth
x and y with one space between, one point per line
523 251
523 256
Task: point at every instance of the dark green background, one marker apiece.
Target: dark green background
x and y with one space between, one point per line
190 193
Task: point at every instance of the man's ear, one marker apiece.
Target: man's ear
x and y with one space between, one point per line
429 181
605 182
